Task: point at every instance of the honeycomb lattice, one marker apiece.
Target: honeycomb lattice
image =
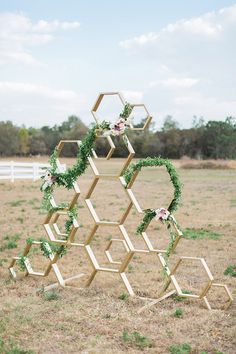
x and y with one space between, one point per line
118 265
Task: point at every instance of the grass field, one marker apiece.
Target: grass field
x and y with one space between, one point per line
103 318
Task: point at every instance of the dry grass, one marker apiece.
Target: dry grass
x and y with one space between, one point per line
102 319
187 163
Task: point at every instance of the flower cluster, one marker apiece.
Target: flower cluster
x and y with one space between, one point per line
162 214
118 128
48 180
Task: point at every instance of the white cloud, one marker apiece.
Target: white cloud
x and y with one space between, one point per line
47 26
18 34
38 90
191 66
133 96
175 83
208 26
38 104
213 108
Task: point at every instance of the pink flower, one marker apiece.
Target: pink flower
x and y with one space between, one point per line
118 128
48 179
162 214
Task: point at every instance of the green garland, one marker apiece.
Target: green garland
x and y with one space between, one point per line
68 178
152 162
150 214
157 161
21 263
49 251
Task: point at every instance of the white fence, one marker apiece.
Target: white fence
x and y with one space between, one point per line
17 170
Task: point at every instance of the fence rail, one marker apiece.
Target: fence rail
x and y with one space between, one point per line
21 170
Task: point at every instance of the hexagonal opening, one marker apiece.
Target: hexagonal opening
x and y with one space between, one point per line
14 269
108 107
218 297
103 148
158 236
55 227
101 242
75 263
116 251
145 274
63 196
37 261
131 223
86 223
191 276
143 191
67 153
121 153
58 225
108 200
140 117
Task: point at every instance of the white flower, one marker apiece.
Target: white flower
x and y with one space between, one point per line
118 128
162 214
48 180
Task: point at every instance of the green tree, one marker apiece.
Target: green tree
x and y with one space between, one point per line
24 140
37 144
170 124
219 139
9 139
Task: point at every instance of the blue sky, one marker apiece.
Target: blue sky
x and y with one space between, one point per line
175 56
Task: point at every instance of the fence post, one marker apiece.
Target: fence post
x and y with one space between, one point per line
12 170
35 165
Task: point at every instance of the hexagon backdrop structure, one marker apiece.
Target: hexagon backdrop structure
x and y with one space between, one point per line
117 265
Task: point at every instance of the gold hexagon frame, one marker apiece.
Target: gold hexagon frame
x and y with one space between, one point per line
53 231
108 249
227 293
99 101
147 121
176 283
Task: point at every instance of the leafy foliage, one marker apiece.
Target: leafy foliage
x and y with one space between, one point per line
11 348
151 213
21 263
67 179
184 348
231 270
178 313
123 296
51 295
137 340
195 234
153 162
215 139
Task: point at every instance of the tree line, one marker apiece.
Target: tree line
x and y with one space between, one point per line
212 139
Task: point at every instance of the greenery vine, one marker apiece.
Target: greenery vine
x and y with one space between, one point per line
157 161
150 214
49 249
21 263
55 178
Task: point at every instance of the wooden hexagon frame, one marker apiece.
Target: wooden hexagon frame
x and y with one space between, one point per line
227 293
148 118
99 101
52 229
